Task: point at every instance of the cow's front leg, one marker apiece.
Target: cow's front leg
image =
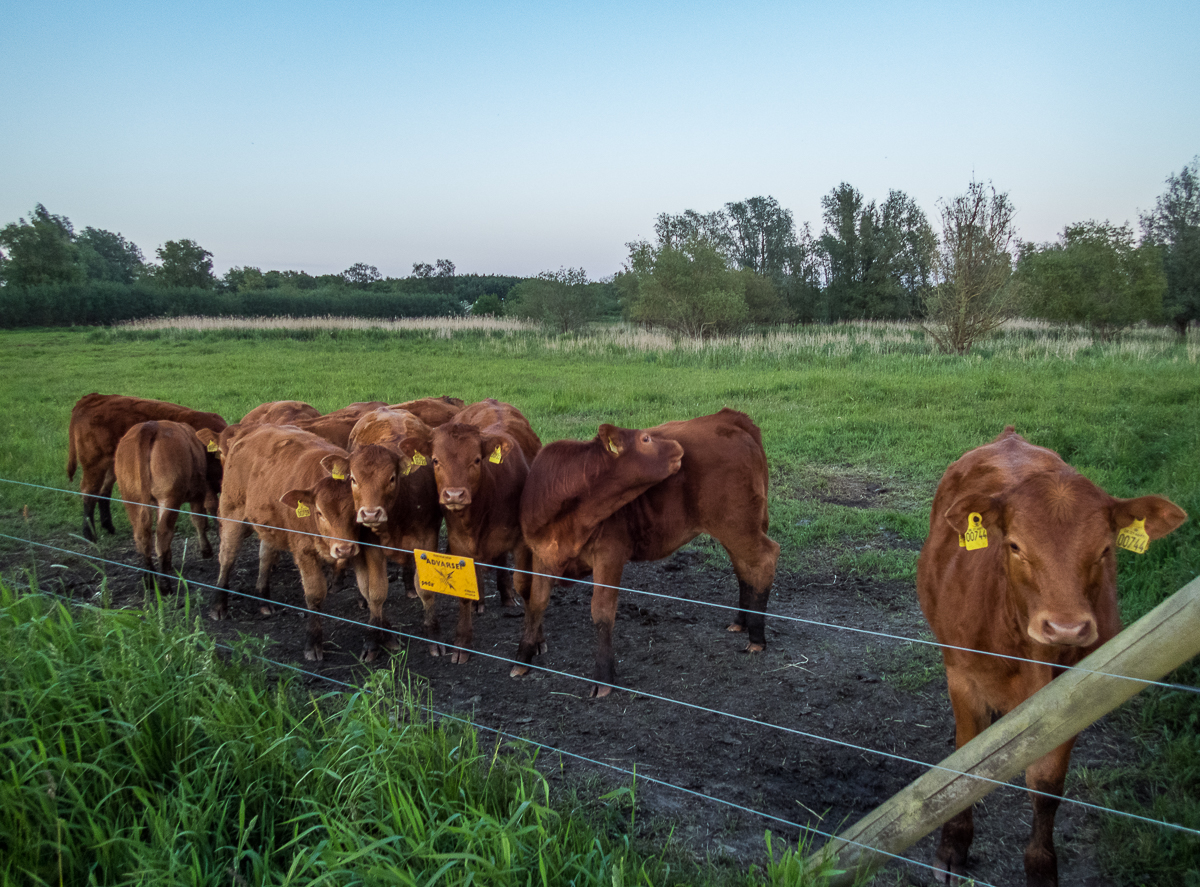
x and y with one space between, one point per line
312 577
533 640
370 573
1047 774
970 719
606 576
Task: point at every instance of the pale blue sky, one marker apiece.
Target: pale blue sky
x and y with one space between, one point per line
520 137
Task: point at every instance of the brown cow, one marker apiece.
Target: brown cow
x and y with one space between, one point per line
433 411
98 422
395 499
1040 583
163 464
280 412
335 427
591 507
278 483
480 462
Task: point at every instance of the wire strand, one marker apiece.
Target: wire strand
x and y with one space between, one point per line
1166 685
648 695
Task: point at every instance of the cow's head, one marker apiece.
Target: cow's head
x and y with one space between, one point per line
1057 536
460 456
639 458
375 474
327 510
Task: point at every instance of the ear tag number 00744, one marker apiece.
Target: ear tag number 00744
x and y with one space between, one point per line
976 536
1134 537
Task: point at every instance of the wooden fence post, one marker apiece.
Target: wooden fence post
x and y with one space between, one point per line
1158 643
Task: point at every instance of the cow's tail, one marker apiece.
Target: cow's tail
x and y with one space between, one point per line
72 460
147 434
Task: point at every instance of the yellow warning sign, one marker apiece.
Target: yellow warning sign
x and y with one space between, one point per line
446 574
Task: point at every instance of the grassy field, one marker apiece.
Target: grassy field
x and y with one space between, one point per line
845 406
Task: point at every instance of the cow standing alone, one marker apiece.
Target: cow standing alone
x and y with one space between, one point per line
1021 561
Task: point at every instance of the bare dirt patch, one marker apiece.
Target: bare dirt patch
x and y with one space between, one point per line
869 693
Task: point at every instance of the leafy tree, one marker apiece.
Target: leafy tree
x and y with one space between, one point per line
445 268
689 225
184 263
1174 226
972 291
764 236
488 304
245 279
109 256
361 275
39 251
422 269
1096 275
691 289
562 299
877 258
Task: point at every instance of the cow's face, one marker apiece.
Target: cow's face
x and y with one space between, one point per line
639 458
460 454
374 473
331 513
1057 536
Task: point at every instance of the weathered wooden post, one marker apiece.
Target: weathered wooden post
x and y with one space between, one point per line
1159 642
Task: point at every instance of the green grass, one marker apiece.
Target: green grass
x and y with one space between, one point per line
840 408
132 751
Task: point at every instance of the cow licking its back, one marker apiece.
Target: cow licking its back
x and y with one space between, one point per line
1021 561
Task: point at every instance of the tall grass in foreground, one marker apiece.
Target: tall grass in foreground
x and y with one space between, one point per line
131 752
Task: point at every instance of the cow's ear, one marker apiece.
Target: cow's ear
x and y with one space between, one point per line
1162 516
210 441
337 466
958 515
611 438
417 443
496 447
301 501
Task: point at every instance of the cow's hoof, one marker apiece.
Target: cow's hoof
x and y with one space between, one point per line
391 642
314 654
478 607
460 657
437 650
754 648
733 626
207 555
88 533
599 691
413 594
518 671
266 610
217 614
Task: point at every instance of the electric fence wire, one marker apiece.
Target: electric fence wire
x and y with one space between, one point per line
1166 685
504 734
648 695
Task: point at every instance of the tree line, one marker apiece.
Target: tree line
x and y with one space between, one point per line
705 273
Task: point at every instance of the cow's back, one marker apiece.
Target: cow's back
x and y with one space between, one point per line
280 412
499 417
267 461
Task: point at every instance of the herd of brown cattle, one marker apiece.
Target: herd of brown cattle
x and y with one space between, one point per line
1020 559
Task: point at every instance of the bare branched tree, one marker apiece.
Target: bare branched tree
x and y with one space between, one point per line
973 291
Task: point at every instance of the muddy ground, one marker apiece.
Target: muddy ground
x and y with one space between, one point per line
869 692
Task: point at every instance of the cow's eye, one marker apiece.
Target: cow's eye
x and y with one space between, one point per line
1015 547
645 438
353 481
434 460
478 459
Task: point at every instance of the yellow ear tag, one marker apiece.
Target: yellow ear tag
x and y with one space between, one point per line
302 510
212 447
613 448
976 536
962 543
1134 537
497 456
337 475
418 460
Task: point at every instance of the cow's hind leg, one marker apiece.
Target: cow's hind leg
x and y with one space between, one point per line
168 514
267 558
141 519
754 560
105 500
233 532
533 639
1047 774
90 485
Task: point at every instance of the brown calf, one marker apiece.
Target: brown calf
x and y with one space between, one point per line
394 499
280 412
480 462
163 464
98 422
278 483
433 411
591 507
335 427
1021 560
